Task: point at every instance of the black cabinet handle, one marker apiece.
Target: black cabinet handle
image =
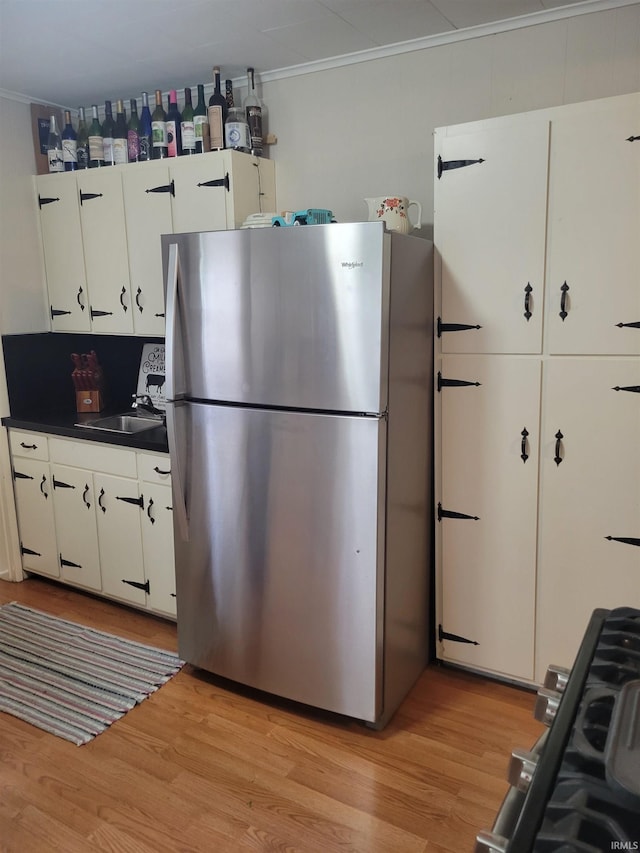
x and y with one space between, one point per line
100 504
122 294
160 471
149 516
84 496
557 458
28 446
527 301
80 292
563 301
42 485
523 447
138 294
165 188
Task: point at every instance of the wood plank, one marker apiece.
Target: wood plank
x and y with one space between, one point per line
205 765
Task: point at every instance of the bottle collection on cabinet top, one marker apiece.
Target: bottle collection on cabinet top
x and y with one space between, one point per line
164 133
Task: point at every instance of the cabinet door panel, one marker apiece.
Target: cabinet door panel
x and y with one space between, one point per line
594 225
157 542
34 504
63 253
593 494
200 201
148 215
105 250
74 505
120 537
490 221
488 561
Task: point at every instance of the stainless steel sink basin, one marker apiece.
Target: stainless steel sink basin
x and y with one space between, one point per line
127 424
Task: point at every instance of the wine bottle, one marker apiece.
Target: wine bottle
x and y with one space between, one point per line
217 114
145 131
108 127
54 147
236 130
69 144
174 126
159 129
120 141
82 141
133 133
187 128
96 144
201 123
228 93
254 111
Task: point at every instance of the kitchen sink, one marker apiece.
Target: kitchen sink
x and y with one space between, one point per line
127 424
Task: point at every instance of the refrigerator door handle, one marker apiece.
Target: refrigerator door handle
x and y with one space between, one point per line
173 273
177 482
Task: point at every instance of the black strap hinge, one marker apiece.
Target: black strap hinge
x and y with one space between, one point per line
217 182
454 638
453 327
454 383
626 540
138 585
446 165
449 513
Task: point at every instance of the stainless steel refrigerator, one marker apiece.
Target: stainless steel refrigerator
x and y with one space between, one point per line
299 379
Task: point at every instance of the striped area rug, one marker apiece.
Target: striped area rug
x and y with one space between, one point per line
71 680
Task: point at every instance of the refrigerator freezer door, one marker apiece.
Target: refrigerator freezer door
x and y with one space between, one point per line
280 584
291 317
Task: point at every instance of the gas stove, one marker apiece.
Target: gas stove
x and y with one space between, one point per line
578 789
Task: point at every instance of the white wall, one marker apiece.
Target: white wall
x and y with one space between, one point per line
22 300
366 129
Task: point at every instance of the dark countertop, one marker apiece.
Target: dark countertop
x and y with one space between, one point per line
63 423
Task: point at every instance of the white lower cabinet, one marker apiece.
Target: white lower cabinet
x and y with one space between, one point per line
96 516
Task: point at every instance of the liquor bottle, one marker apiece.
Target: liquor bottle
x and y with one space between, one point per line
133 133
217 114
187 128
54 147
201 122
69 144
82 141
174 128
236 130
254 110
96 144
108 127
159 130
120 141
145 131
228 93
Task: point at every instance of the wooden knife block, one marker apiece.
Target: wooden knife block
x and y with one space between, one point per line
89 401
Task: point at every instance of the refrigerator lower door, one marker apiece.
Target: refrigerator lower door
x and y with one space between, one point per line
280 581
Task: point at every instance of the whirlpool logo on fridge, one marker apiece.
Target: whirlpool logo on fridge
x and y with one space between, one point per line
352 265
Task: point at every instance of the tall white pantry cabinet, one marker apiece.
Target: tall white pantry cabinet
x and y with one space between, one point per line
537 237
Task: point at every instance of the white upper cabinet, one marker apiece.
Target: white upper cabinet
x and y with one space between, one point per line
490 221
593 281
57 197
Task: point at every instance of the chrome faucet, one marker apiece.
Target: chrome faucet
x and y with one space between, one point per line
143 404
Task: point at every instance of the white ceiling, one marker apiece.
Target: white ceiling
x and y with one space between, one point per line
78 52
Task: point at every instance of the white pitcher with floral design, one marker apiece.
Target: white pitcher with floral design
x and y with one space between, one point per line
394 212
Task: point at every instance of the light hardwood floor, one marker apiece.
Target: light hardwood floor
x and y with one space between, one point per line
201 767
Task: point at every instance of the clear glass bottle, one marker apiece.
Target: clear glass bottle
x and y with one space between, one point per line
254 110
54 147
174 126
159 148
82 140
108 127
120 141
69 144
236 130
217 114
96 144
